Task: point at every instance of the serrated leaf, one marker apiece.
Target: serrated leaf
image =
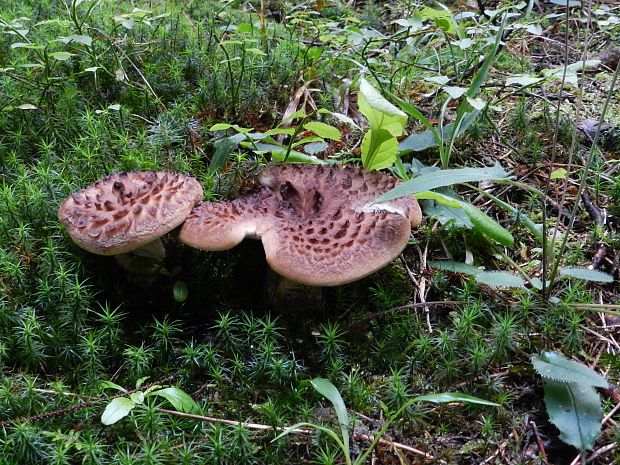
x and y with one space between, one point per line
178 398
323 130
117 409
443 178
576 411
587 274
556 367
379 149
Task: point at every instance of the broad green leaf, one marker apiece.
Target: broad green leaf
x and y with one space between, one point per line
379 149
82 39
453 217
487 225
560 173
455 267
276 131
443 178
137 397
111 385
178 398
62 56
500 279
339 116
586 273
441 80
117 409
315 147
380 113
224 126
323 130
441 199
329 391
298 114
523 80
476 102
180 291
576 410
454 397
307 140
464 44
556 367
455 92
569 3
223 149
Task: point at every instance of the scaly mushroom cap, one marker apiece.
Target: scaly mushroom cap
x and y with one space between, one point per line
318 224
124 211
222 225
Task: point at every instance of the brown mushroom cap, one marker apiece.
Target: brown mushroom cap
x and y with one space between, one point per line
318 224
124 211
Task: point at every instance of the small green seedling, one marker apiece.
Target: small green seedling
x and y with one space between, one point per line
119 407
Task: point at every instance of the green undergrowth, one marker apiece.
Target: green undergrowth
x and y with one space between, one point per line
90 88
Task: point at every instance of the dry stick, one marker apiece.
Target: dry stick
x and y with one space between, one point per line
541 446
408 307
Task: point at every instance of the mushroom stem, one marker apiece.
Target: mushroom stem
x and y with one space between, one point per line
143 260
291 298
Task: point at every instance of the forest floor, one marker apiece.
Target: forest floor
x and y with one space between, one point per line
507 291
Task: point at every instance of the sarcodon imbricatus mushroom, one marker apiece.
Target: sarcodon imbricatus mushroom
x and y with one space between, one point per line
126 211
319 224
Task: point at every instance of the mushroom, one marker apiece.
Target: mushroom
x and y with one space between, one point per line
319 224
129 212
